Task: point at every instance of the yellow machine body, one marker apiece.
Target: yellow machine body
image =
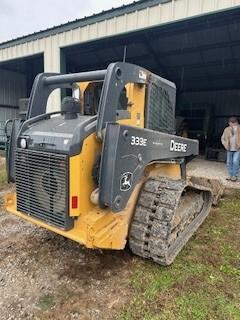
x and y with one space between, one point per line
95 227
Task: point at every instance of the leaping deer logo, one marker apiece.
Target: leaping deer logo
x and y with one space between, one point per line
126 181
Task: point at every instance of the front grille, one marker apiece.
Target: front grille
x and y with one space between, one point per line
42 187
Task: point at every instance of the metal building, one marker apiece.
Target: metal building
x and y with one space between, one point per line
195 43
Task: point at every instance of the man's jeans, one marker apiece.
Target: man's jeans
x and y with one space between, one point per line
233 158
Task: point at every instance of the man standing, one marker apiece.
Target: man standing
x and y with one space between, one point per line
231 142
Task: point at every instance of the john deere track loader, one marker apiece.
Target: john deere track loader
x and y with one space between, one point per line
107 169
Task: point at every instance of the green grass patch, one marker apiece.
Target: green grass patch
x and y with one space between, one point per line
3 175
192 306
202 283
46 302
201 306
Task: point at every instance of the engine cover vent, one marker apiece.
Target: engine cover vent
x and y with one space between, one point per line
42 187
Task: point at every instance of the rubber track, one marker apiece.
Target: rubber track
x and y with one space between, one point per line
154 234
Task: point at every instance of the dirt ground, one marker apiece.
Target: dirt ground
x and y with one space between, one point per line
45 276
211 169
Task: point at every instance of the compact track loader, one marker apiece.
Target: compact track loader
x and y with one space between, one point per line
107 168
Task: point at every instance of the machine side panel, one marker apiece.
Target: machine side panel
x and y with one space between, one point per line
127 151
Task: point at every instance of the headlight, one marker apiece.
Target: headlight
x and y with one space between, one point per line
23 143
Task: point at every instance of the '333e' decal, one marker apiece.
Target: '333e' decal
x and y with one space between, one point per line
138 141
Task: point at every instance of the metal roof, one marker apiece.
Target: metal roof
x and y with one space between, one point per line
104 15
202 53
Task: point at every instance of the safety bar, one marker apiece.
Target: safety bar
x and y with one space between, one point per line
75 77
114 78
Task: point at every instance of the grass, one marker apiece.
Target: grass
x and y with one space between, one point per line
3 175
204 281
46 302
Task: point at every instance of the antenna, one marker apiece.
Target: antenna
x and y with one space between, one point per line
125 53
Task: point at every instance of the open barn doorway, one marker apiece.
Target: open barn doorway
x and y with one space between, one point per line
200 55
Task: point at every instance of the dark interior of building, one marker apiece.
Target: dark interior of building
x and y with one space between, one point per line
29 67
16 81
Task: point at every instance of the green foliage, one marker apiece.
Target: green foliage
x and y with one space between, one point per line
192 306
3 175
46 302
202 283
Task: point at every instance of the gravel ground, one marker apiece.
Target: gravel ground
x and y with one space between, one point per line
45 276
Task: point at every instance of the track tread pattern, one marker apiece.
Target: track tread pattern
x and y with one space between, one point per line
155 229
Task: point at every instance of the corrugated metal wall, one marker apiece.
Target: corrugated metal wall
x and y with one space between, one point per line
12 88
157 14
5 114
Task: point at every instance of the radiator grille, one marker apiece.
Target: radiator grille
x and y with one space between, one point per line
41 185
